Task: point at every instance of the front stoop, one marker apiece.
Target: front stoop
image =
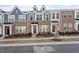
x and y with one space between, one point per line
34 36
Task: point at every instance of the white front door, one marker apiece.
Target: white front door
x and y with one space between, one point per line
34 28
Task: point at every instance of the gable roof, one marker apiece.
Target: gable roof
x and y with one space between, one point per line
15 9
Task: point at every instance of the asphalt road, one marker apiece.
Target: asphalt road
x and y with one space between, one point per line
63 48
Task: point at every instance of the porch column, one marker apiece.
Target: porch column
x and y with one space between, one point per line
10 30
3 30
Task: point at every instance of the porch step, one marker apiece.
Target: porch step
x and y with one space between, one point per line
34 35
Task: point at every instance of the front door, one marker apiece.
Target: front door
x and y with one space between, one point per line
78 27
7 30
34 28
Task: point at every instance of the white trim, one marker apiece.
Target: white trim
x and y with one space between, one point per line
4 29
36 28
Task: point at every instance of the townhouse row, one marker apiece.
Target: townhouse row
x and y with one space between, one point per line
38 21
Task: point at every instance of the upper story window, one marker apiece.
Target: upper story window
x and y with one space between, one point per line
11 18
47 17
57 16
0 18
43 8
22 18
31 17
67 15
77 15
39 17
53 16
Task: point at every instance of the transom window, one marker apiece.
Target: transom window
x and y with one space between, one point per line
20 29
22 18
0 18
11 18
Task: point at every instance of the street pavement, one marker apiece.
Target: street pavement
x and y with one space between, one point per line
58 48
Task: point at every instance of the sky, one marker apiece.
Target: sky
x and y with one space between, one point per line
30 7
8 5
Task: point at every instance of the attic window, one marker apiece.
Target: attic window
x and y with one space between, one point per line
34 9
43 9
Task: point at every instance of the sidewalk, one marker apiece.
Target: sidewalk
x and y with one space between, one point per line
39 40
43 38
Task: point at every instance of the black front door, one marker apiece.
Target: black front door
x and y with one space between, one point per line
7 30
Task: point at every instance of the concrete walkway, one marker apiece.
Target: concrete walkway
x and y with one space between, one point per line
42 38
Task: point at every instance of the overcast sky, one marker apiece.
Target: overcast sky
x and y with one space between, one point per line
29 7
7 5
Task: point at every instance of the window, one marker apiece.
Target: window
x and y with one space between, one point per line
35 9
21 29
65 26
53 16
77 15
47 17
43 9
44 28
70 25
11 18
38 17
67 15
31 17
22 18
0 18
57 16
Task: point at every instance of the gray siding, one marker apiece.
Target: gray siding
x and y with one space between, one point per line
16 13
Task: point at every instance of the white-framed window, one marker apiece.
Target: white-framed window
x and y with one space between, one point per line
11 18
1 18
44 28
20 29
53 15
46 16
39 17
57 15
22 18
31 17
